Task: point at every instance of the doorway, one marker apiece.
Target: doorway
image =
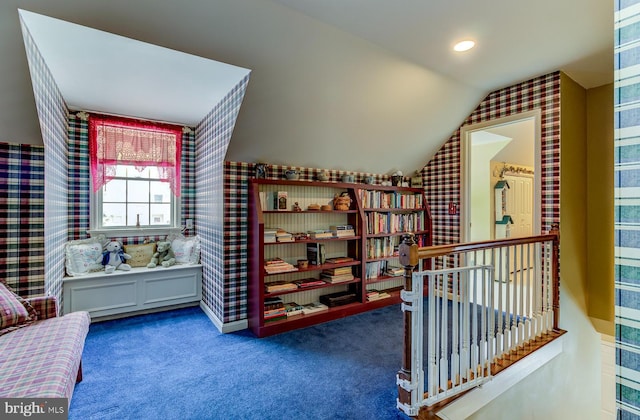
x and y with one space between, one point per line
507 150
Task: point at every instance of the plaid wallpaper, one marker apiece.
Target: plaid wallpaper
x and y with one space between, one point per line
52 113
79 178
442 174
224 296
627 206
22 218
80 187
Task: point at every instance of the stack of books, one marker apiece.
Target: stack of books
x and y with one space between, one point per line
320 234
274 309
315 253
278 265
284 236
279 286
374 294
337 275
293 309
394 271
342 231
311 308
306 283
270 235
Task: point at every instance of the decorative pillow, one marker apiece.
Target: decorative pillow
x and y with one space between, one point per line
82 256
140 254
14 311
186 249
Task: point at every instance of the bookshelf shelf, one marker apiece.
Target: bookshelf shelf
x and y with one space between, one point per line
313 267
357 247
384 235
381 279
307 241
309 212
323 286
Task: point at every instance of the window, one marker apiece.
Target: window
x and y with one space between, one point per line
134 199
135 174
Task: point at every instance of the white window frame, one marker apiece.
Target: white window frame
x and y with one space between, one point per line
109 232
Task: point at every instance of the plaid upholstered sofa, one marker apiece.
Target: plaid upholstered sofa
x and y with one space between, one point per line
40 353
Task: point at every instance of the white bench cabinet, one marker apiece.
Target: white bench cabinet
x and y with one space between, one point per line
140 290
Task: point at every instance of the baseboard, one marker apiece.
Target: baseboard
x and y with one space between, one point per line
229 327
477 398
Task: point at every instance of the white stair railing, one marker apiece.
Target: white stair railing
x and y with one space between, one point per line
484 301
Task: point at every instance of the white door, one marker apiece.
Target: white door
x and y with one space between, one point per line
520 204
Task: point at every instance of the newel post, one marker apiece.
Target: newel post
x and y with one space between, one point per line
555 272
408 258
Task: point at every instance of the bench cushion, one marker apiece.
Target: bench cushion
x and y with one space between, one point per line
42 360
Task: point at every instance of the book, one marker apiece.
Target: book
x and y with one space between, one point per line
395 271
340 227
338 270
284 238
314 307
336 279
278 265
343 233
275 317
338 299
374 294
293 309
378 296
320 234
316 253
338 260
304 283
279 286
271 303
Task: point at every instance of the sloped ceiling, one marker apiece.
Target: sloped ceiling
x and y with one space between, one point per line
367 85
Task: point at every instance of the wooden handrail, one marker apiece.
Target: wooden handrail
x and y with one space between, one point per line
417 254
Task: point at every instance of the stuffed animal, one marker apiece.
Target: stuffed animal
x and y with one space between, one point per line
113 258
164 255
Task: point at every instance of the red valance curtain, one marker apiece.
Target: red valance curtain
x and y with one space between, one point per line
119 141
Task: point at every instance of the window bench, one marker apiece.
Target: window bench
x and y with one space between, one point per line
140 290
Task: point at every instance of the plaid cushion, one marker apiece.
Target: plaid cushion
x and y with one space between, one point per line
41 361
45 306
14 311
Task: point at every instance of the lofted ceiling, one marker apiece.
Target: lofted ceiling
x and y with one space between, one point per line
365 85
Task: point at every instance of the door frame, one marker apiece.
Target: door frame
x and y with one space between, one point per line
465 158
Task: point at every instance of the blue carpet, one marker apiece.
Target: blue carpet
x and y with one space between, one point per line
176 365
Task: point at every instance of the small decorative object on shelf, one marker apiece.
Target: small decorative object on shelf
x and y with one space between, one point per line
342 201
296 207
396 178
323 176
313 207
292 174
347 178
261 170
281 200
325 207
368 179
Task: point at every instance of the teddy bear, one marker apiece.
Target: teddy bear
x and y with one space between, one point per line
113 258
164 255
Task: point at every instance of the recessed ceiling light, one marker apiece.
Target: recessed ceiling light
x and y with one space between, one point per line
465 45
